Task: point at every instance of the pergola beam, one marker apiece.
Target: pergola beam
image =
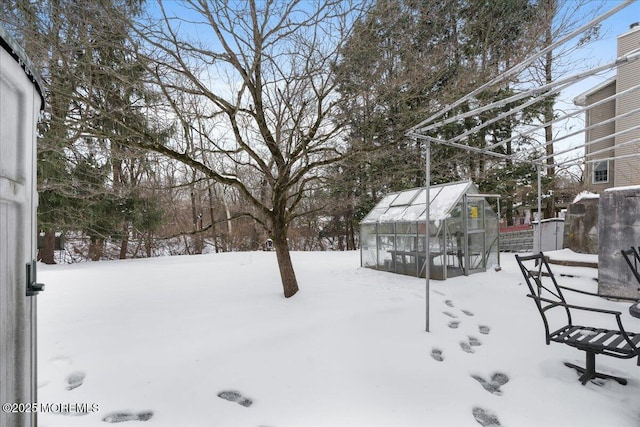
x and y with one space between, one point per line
522 65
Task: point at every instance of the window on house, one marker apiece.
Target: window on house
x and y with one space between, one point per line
601 172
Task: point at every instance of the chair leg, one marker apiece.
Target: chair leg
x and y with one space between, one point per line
589 371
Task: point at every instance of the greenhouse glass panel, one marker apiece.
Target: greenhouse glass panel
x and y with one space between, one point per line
368 242
405 255
476 251
374 215
413 213
421 198
492 229
475 213
405 197
446 199
392 214
386 246
387 200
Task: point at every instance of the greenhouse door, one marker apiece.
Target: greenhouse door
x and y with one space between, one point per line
475 253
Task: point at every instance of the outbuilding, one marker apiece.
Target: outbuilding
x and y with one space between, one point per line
20 104
463 231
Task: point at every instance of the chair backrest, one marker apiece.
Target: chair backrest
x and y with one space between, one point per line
632 257
543 288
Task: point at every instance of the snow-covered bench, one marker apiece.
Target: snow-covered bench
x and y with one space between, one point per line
547 294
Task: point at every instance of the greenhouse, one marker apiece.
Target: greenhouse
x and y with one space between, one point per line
392 235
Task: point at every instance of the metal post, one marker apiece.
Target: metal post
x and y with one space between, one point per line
539 208
443 241
499 213
427 242
377 247
465 229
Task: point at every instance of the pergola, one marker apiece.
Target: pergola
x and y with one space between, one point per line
532 95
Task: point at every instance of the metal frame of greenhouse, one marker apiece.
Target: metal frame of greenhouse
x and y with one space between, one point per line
463 229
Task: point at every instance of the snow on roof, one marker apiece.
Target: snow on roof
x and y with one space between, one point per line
585 195
628 187
410 205
581 100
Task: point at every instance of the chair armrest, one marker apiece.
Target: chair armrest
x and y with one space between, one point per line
577 307
580 291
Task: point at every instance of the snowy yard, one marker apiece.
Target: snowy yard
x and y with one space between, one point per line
209 340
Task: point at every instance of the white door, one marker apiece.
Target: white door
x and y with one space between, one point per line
19 106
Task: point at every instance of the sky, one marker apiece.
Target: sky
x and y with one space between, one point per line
600 52
604 49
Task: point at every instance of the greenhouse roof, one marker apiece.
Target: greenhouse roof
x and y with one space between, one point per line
410 205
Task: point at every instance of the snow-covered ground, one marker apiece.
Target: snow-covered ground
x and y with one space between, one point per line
209 340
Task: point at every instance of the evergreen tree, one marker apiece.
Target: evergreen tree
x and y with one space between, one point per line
95 102
404 62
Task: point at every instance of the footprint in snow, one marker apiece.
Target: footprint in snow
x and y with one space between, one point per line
235 396
467 312
75 379
466 347
475 342
436 353
454 324
448 313
484 329
449 303
439 293
119 417
493 386
485 417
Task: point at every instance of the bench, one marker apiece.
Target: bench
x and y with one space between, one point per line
557 318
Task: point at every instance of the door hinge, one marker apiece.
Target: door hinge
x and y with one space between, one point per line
33 287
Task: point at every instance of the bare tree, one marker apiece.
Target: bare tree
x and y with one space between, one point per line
263 71
557 19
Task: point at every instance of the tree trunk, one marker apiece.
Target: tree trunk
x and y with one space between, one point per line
228 217
47 252
148 244
508 212
96 247
549 113
197 237
351 242
213 219
287 275
124 245
140 239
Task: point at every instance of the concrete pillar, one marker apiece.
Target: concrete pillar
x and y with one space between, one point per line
619 226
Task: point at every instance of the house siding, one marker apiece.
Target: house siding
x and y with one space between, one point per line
627 171
594 116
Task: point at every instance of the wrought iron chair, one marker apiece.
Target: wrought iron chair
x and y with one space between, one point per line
547 294
629 255
632 257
